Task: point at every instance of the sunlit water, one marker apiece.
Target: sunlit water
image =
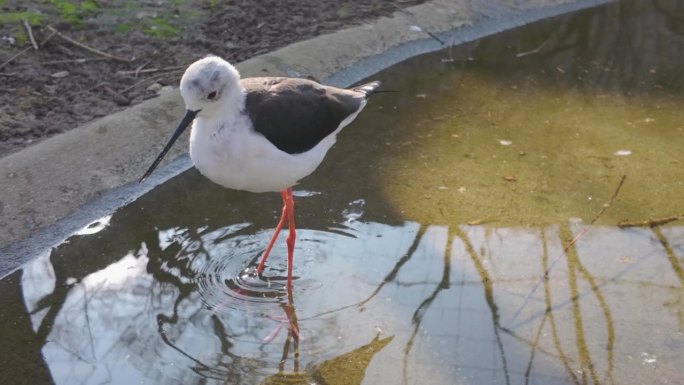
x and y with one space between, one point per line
423 240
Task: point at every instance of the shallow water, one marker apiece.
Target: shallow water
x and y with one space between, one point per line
423 239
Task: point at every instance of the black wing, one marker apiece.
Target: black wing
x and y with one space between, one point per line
296 114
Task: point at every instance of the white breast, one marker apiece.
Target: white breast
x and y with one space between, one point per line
232 155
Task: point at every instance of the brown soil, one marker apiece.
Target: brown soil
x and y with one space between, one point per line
63 85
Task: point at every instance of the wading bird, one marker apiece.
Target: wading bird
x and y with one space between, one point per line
261 134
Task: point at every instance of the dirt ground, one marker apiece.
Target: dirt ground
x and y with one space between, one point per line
110 54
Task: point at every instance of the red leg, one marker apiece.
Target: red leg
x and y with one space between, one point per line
291 237
264 257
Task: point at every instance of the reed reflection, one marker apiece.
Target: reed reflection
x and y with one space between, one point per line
441 292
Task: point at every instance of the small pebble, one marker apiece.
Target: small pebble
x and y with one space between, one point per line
60 74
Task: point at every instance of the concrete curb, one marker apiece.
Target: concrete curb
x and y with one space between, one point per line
55 187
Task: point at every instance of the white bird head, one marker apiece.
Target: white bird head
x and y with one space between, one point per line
210 87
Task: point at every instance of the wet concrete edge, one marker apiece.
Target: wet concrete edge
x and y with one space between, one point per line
56 187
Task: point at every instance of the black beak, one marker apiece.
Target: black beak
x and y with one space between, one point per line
184 123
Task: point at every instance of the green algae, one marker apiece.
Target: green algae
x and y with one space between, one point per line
561 162
495 138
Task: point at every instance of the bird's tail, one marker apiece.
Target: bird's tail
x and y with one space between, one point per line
368 89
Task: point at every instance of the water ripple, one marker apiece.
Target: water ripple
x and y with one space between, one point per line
229 281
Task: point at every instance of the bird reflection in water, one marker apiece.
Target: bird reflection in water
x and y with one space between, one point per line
461 284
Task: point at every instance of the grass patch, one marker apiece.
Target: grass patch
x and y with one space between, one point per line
73 12
123 28
33 18
76 12
160 27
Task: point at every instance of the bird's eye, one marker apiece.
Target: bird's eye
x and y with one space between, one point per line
212 95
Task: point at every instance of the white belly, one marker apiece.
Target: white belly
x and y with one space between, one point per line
232 155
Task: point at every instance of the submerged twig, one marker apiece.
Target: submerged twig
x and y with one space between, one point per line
651 222
87 48
610 202
530 52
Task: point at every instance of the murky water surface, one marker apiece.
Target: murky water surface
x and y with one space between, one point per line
423 240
